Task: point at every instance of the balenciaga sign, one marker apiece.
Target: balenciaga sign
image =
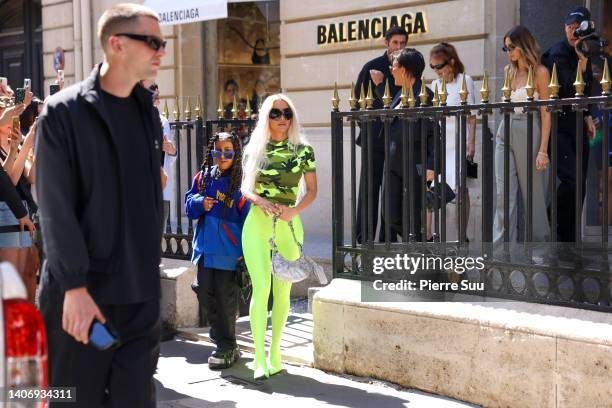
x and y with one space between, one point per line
370 28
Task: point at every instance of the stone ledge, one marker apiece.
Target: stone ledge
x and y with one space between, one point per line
179 305
495 354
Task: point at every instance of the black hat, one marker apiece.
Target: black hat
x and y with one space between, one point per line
577 15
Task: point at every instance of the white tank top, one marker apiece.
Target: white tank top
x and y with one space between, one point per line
520 95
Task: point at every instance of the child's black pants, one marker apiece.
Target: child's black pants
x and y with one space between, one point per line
218 291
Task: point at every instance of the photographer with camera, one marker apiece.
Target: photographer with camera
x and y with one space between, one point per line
568 55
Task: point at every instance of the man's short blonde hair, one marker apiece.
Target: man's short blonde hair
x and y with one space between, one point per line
121 18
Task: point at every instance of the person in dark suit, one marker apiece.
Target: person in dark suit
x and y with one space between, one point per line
395 39
408 65
567 55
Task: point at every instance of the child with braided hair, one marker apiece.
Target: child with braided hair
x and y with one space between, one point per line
216 202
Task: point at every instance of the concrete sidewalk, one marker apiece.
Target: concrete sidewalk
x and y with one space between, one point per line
183 380
296 343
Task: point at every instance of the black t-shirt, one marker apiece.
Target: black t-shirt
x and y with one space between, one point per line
138 274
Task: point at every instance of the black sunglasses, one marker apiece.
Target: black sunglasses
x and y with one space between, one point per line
509 48
276 114
438 66
227 154
153 42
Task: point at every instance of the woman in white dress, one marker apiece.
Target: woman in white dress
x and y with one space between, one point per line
445 62
523 51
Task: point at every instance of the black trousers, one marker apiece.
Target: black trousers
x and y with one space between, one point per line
395 185
566 190
218 290
122 377
377 177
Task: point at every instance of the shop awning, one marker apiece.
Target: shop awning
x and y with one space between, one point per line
188 11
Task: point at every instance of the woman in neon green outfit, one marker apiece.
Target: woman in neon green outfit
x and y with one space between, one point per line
279 179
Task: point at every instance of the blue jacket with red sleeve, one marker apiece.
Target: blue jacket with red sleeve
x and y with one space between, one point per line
218 234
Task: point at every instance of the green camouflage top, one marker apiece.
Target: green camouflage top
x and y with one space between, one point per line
279 180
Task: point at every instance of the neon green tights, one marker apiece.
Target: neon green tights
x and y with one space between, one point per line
256 233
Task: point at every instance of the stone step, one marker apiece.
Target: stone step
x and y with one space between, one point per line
296 343
497 354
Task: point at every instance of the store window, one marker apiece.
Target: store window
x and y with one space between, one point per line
249 54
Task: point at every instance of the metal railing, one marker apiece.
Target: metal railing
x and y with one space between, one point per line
575 274
191 137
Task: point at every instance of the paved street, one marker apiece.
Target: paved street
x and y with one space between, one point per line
183 380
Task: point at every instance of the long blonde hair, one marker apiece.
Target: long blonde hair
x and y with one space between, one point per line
255 157
521 38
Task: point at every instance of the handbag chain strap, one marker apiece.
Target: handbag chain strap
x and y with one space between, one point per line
273 240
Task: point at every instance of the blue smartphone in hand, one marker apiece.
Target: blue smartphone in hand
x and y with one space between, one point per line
103 336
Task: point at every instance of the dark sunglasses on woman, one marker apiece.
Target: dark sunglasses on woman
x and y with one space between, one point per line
227 154
153 42
438 66
276 114
509 48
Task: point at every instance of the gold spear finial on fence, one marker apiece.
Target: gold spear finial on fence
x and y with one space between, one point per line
177 109
436 97
188 109
484 91
554 86
387 99
220 110
362 101
352 101
370 98
423 95
404 95
443 93
165 110
411 100
198 108
235 109
335 100
579 83
530 88
605 79
248 109
463 91
506 90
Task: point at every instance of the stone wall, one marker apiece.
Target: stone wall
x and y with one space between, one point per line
494 354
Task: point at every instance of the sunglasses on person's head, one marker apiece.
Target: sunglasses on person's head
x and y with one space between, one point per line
276 114
509 48
438 66
153 42
153 88
227 154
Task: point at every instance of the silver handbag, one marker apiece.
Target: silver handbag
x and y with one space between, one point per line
293 271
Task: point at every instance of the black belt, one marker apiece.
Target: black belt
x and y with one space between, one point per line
14 228
10 228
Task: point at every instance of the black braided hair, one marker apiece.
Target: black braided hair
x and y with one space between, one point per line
236 169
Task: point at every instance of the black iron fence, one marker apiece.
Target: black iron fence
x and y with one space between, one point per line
191 137
546 270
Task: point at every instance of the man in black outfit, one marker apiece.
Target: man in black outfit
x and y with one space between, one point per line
412 63
395 39
567 56
100 196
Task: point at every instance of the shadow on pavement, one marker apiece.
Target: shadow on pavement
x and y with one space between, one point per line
300 386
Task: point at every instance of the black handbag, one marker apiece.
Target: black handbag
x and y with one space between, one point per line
245 286
472 169
434 195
